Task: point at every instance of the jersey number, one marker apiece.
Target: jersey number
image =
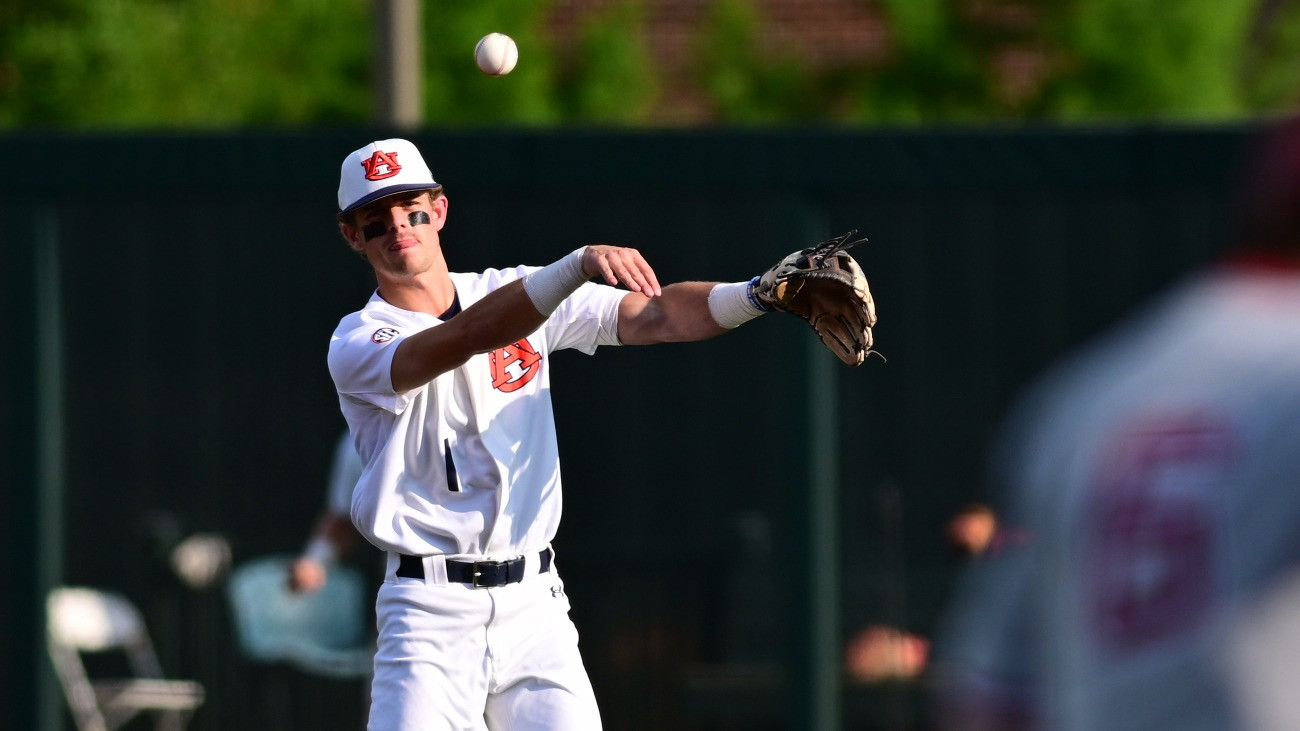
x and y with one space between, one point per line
1151 537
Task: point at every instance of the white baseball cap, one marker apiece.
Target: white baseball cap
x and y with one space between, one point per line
381 169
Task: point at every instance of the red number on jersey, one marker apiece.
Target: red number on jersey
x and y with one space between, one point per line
1151 532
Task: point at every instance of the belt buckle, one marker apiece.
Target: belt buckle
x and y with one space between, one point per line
476 572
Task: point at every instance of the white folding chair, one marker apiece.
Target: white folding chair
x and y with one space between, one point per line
86 620
321 632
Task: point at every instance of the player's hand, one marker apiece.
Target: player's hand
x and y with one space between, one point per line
881 653
306 576
621 265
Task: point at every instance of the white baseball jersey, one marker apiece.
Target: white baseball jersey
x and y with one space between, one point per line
1158 474
466 465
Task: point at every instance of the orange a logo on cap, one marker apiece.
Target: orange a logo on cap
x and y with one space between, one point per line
381 165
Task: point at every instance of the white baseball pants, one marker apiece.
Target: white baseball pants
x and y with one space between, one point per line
455 658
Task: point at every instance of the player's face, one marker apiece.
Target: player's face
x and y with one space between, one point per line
399 234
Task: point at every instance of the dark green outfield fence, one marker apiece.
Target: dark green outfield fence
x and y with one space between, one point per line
167 301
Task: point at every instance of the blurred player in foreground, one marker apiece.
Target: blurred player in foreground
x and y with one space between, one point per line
1156 472
444 379
333 536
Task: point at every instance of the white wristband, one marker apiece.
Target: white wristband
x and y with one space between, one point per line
732 305
320 550
549 286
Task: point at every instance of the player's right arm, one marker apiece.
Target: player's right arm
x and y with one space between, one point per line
497 320
513 312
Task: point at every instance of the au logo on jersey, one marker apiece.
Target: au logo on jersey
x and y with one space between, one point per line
514 366
381 165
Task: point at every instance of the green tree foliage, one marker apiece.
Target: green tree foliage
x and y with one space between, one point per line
1009 60
1272 73
936 71
610 77
131 63
1150 58
745 84
456 94
230 63
225 63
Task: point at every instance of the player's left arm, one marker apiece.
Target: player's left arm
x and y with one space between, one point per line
680 314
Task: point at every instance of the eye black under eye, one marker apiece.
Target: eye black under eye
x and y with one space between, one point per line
373 230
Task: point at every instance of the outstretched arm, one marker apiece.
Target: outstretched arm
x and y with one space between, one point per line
681 314
685 312
821 284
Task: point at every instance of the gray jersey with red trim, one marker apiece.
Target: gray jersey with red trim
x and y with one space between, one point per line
1158 476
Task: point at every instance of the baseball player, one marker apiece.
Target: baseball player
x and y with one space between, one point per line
444 379
1156 473
333 536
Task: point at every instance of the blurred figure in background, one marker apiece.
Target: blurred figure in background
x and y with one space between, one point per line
333 536
972 530
1156 471
976 531
881 653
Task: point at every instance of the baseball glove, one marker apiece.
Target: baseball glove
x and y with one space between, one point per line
825 287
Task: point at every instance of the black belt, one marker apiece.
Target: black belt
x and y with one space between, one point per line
478 573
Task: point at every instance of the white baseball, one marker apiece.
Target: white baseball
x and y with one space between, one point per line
496 54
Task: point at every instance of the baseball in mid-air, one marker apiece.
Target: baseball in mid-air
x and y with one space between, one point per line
496 54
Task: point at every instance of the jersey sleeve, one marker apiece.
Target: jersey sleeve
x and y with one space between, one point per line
587 319
361 364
